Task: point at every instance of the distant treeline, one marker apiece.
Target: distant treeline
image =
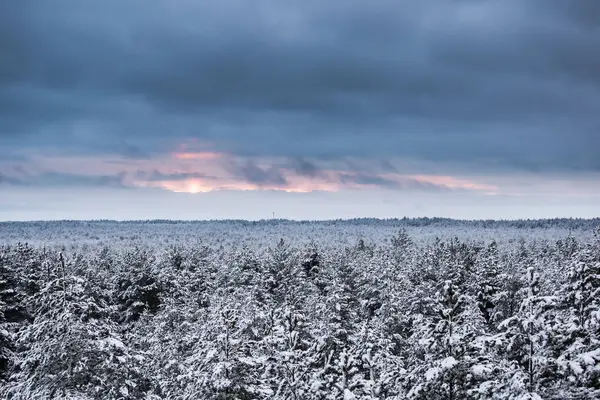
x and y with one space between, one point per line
565 223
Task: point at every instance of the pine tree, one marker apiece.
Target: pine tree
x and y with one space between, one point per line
525 336
138 289
6 345
226 363
289 350
282 275
451 349
488 280
311 261
73 348
579 335
7 295
344 305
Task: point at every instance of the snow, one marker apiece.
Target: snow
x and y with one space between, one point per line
575 367
111 341
448 362
431 324
590 358
480 370
432 373
529 396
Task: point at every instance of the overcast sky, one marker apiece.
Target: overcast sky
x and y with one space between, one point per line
196 109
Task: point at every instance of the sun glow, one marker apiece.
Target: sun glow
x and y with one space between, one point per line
194 186
204 155
299 184
185 186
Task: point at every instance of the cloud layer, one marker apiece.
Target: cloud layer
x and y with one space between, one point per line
195 172
500 85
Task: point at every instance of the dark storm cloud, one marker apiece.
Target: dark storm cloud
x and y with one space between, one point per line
387 166
250 172
405 183
157 176
62 179
304 167
72 179
280 176
364 179
499 83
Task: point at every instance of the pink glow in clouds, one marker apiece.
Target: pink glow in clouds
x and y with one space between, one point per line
197 156
196 168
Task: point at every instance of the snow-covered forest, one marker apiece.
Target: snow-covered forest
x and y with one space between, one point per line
362 309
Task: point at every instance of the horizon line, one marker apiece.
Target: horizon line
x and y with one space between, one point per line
292 220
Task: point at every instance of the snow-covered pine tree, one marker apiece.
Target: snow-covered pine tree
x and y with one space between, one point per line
7 305
242 268
227 363
379 370
282 274
451 350
290 352
311 260
525 337
6 344
73 348
579 335
137 288
488 280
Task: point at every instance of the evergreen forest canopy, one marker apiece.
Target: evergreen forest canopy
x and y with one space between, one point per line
359 309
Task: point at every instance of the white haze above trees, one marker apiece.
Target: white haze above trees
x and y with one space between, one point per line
362 309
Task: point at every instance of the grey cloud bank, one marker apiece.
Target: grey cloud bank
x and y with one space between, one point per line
501 84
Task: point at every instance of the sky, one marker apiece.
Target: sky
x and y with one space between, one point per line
196 109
